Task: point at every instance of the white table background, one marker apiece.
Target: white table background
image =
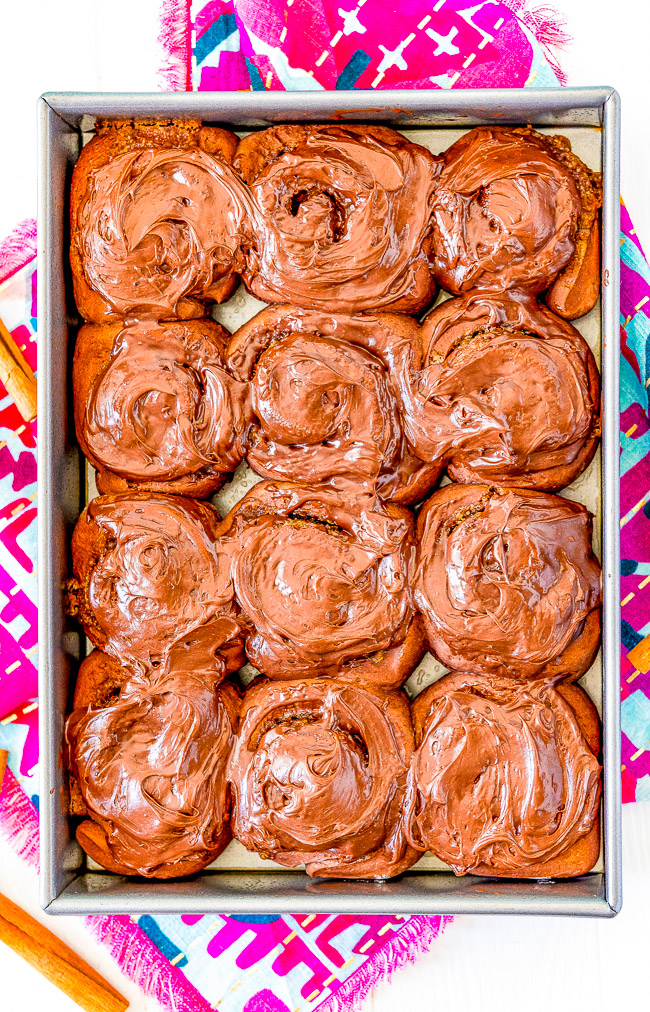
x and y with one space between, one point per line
490 964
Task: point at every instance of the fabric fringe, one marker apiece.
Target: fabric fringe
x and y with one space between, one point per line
18 820
548 27
18 248
141 961
174 41
402 949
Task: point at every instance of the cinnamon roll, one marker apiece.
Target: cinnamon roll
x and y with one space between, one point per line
503 391
514 208
322 577
155 409
505 779
507 582
158 220
150 769
152 587
323 401
318 774
344 217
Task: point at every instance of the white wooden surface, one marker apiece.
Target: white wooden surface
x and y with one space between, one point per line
489 964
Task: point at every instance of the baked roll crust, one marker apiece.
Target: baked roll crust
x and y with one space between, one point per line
344 217
149 770
505 780
323 399
318 775
514 208
151 586
507 582
322 575
155 409
158 220
504 391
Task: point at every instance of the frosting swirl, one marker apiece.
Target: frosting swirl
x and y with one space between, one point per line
318 774
503 778
344 217
503 391
159 590
159 229
505 212
322 577
164 406
507 582
323 401
152 771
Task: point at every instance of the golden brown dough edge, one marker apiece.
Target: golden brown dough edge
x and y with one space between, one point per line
91 356
575 291
113 138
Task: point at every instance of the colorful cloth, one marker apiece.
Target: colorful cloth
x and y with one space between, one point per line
230 45
285 963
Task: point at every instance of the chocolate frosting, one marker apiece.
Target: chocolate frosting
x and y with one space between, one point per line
505 213
343 220
322 576
505 391
161 590
159 228
318 774
164 406
505 578
502 778
323 401
151 768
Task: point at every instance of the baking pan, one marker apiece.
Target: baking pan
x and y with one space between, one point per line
68 884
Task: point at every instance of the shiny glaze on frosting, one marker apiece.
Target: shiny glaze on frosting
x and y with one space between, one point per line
318 774
505 578
161 590
503 776
165 407
159 227
343 219
152 769
504 391
322 576
505 213
323 401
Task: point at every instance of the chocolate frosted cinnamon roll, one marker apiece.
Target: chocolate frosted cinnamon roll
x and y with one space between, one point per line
155 409
158 220
516 208
150 768
318 774
322 577
344 217
504 391
505 779
507 582
323 401
152 586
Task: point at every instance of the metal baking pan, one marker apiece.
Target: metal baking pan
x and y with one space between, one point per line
68 884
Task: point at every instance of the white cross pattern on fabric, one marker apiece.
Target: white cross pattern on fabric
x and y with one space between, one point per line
351 22
443 42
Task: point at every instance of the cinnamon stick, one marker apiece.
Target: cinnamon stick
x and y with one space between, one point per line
4 755
16 375
56 961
